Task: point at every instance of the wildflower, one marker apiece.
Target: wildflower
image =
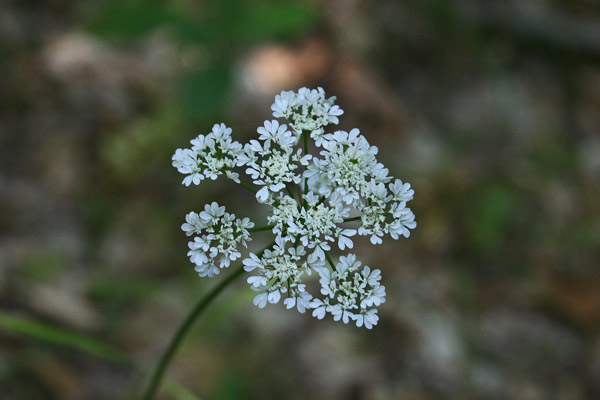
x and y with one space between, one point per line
350 293
313 199
276 133
312 223
347 166
281 271
307 111
271 167
210 156
219 234
385 212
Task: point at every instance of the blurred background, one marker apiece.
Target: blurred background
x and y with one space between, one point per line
489 108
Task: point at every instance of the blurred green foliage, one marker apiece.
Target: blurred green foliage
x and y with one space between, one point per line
203 22
491 215
204 92
62 336
555 156
178 392
139 143
44 265
116 294
219 28
231 387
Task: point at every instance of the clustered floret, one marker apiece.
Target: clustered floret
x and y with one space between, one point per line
350 293
210 156
307 111
273 164
316 200
281 270
219 234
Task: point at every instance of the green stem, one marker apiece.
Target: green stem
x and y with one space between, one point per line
250 188
262 228
305 137
289 190
352 219
186 325
329 260
299 191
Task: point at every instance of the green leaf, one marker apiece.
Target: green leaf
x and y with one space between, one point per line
61 336
491 215
178 391
204 93
275 20
231 387
130 20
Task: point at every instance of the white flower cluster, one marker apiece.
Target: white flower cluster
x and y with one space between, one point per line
350 293
219 234
312 222
210 156
281 270
273 164
316 201
307 111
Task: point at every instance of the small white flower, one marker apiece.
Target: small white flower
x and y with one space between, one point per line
280 271
219 234
301 302
260 300
350 292
401 191
386 213
307 111
319 308
368 318
348 165
192 224
311 222
210 156
344 240
271 167
276 133
186 162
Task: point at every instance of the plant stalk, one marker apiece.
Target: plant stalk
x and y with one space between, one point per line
202 304
262 228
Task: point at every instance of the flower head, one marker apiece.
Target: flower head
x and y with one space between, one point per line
219 234
318 204
347 166
307 111
273 165
210 156
281 271
350 293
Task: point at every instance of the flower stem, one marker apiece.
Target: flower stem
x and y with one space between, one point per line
185 326
262 228
329 260
352 219
290 192
305 138
250 188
